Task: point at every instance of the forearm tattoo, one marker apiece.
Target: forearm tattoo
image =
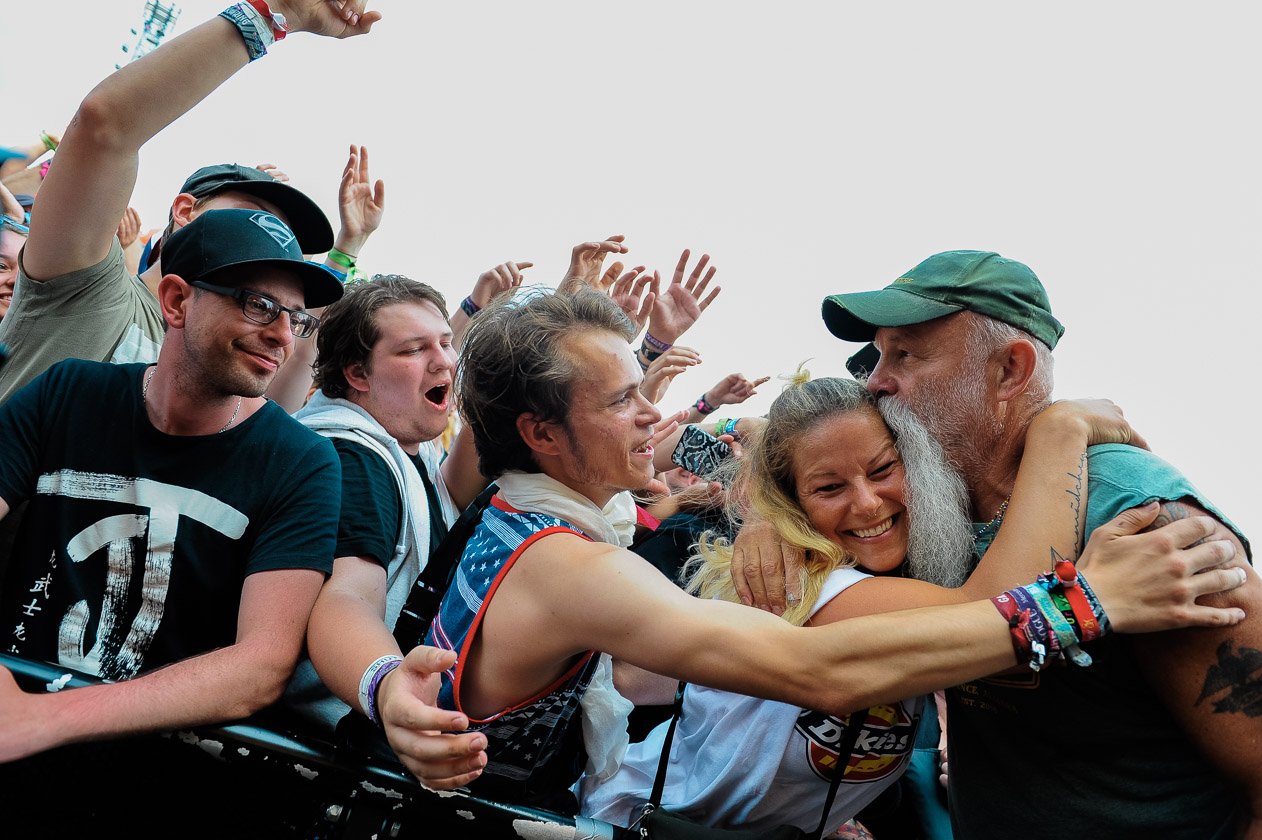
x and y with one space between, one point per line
1236 679
1075 502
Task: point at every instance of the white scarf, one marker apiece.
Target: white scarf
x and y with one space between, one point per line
605 711
539 493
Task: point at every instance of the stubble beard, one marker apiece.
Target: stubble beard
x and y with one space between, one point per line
940 530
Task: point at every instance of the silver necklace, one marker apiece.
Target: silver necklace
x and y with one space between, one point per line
993 524
144 397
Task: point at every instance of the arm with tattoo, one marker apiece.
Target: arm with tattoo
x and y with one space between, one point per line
1212 679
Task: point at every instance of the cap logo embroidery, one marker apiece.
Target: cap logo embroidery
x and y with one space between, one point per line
275 228
903 280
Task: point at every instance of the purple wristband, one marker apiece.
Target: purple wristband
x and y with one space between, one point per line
373 713
656 344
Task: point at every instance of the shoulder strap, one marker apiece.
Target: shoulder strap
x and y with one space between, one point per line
845 746
427 591
659 784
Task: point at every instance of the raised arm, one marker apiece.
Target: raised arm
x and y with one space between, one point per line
361 204
225 684
86 191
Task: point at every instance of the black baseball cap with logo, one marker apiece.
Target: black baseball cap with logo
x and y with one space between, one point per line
306 219
221 239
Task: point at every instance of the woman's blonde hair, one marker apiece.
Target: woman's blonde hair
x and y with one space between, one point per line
764 486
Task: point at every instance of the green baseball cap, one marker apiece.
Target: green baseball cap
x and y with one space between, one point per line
979 281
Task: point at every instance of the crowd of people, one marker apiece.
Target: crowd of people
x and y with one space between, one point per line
228 451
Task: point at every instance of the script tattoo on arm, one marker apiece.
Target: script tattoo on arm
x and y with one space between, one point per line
1239 674
1075 503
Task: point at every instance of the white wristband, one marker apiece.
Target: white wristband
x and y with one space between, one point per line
366 681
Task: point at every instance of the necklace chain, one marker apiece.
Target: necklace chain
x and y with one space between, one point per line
995 522
144 397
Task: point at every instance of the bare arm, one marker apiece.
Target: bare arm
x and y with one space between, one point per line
222 685
347 633
460 470
361 205
86 192
1211 679
1043 523
500 280
648 622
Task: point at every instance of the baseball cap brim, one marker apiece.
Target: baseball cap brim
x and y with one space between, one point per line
857 316
320 286
305 218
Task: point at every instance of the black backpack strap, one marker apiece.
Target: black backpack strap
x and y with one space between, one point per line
427 591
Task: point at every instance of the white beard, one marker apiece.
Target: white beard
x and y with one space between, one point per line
940 532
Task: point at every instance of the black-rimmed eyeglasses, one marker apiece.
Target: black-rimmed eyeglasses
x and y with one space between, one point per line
263 310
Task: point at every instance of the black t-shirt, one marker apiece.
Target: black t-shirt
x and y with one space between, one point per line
371 506
372 510
136 543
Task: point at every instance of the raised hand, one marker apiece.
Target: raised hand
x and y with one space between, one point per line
664 369
586 261
629 292
271 169
680 304
331 18
129 227
733 389
496 281
10 206
360 203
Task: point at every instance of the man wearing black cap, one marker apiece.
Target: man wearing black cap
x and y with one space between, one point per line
75 298
179 525
1160 738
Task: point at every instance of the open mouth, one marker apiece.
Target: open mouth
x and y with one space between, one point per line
438 395
875 531
646 449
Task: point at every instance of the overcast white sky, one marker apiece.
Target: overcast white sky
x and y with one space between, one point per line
810 148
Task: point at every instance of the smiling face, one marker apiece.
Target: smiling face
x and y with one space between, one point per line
850 483
406 384
11 243
607 429
231 354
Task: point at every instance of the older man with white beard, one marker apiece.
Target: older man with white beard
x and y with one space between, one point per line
1163 736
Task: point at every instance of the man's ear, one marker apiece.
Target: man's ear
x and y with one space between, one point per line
1015 365
174 296
356 376
182 209
542 436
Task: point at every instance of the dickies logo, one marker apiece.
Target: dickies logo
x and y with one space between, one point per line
883 747
275 228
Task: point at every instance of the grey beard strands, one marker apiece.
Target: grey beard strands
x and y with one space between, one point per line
940 532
